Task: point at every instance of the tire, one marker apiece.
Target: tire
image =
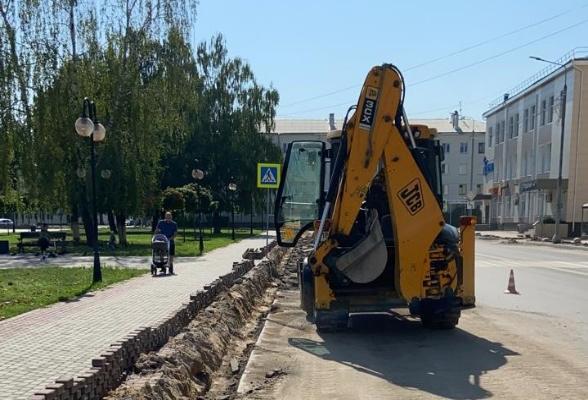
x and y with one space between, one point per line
440 314
331 321
307 292
441 321
171 270
153 270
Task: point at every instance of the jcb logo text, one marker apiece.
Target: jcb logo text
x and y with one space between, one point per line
412 197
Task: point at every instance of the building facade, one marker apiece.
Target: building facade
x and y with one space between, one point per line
523 145
463 140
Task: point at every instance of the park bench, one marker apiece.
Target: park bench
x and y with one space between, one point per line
31 239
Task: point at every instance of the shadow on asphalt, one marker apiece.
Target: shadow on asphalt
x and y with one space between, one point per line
446 363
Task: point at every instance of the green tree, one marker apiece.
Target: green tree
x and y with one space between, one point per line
173 200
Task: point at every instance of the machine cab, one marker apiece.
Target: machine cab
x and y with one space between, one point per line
301 193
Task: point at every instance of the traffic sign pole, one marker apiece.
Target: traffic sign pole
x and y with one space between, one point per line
268 177
267 210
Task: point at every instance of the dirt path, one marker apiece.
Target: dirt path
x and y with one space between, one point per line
493 353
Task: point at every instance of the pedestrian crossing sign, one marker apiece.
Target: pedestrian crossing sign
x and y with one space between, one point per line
268 175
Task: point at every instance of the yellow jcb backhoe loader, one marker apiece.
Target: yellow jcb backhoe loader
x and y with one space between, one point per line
380 238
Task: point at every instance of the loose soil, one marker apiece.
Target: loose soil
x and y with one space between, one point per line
206 360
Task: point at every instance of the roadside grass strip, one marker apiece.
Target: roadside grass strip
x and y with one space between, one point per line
26 289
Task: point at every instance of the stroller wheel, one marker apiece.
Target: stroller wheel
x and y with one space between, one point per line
171 269
153 270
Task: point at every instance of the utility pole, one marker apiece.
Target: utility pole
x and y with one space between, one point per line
556 237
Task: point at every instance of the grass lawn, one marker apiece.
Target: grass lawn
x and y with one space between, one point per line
140 242
25 289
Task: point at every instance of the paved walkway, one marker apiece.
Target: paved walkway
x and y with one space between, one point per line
61 340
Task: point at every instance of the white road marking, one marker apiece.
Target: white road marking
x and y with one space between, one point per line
488 261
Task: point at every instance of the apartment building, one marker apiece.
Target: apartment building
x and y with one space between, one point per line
463 140
523 145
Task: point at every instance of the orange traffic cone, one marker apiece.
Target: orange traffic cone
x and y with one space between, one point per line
511 284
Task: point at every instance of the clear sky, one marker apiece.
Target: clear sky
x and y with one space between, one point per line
310 48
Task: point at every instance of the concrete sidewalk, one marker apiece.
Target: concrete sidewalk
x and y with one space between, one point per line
522 239
61 340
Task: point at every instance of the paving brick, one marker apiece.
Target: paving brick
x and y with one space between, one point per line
40 346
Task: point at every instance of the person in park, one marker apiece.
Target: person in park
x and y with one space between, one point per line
169 228
44 241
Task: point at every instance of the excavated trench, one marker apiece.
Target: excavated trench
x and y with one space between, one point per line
206 359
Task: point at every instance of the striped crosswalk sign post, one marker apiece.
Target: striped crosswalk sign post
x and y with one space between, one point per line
268 177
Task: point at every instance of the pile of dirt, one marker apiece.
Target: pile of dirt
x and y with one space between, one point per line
291 262
183 368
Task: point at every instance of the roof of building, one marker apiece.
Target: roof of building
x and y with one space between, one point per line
443 125
551 71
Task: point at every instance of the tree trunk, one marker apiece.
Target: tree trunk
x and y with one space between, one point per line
122 229
216 222
112 222
75 225
88 225
72 29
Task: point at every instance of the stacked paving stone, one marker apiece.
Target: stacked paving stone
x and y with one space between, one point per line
258 254
108 370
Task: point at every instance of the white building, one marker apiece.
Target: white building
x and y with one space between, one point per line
462 170
523 147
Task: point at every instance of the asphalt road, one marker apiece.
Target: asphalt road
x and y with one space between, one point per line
551 280
528 346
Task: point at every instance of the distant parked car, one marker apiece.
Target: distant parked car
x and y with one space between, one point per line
6 223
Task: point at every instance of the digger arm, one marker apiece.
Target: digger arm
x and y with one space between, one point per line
374 140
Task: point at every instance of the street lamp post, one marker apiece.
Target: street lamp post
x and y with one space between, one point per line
556 237
251 216
198 174
233 189
88 126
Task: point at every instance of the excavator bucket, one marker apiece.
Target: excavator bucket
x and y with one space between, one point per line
367 259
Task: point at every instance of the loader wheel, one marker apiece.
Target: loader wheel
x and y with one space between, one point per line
331 321
440 321
440 314
306 284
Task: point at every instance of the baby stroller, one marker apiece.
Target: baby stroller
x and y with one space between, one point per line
160 255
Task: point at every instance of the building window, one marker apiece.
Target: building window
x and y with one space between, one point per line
446 148
481 147
462 169
551 108
479 188
443 168
463 147
546 159
516 125
502 130
510 127
543 112
497 133
462 190
526 120
490 131
532 118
